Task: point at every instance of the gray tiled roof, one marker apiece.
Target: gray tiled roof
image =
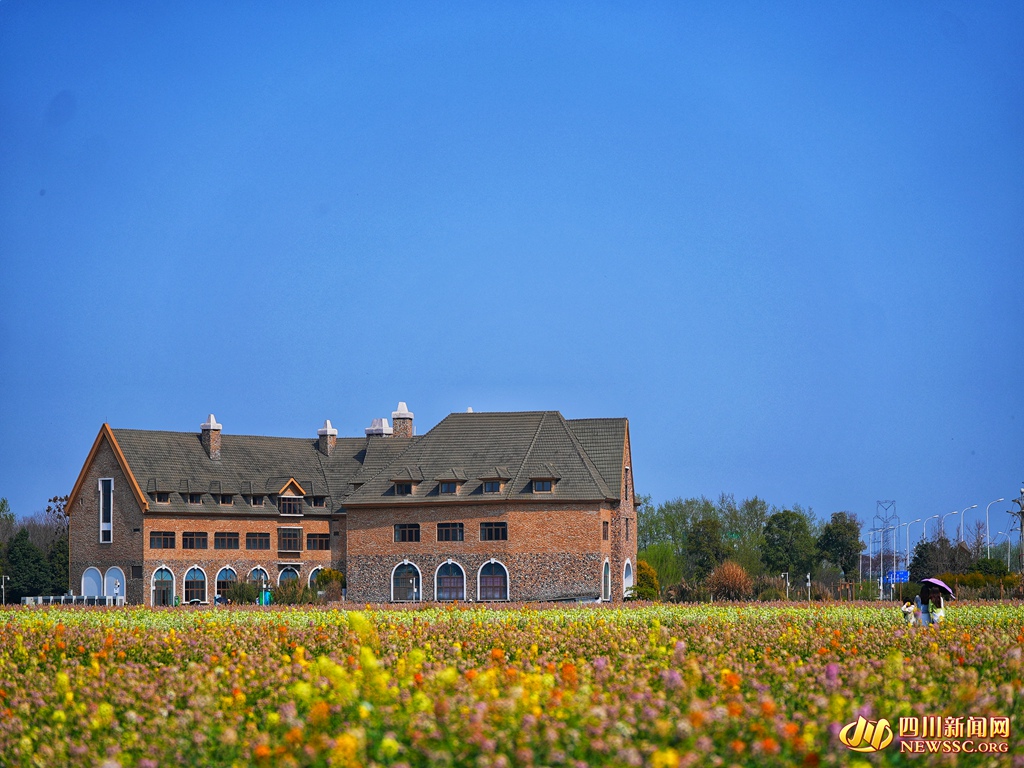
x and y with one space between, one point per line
515 446
584 456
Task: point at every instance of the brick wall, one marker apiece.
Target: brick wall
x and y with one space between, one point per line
125 549
552 551
241 560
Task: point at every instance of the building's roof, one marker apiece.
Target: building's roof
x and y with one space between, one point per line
515 447
583 457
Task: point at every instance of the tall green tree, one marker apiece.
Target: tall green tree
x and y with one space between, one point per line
27 567
839 541
705 546
788 543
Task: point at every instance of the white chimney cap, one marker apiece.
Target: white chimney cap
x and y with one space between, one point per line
379 427
470 409
211 423
327 429
403 412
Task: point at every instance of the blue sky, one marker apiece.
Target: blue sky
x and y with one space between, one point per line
785 241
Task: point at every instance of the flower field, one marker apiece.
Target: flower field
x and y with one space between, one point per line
654 686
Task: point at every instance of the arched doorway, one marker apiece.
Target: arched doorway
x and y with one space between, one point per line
450 583
492 581
405 583
92 582
163 587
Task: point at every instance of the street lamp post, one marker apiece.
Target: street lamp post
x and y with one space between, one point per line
786 577
988 530
962 516
1019 514
942 522
908 540
5 578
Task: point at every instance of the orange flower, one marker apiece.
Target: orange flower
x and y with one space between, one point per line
569 675
696 718
294 736
262 752
791 729
768 707
770 745
318 713
497 654
471 674
735 709
737 746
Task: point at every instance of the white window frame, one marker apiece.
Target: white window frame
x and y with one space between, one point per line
632 577
419 576
606 589
99 573
107 575
312 576
152 583
217 578
465 578
508 580
206 583
108 527
293 569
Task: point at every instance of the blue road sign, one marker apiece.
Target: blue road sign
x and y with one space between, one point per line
897 577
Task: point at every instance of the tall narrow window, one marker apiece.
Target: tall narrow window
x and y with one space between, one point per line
627 529
604 530
106 510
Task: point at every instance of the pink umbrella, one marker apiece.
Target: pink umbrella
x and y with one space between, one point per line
941 585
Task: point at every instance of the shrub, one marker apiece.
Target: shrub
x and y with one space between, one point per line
770 588
293 592
329 584
243 592
729 581
646 585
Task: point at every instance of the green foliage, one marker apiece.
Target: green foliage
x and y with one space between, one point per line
661 557
729 581
788 543
705 548
989 566
243 593
57 560
293 592
329 585
839 541
27 567
645 586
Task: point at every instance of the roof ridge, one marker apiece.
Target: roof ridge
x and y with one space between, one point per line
526 456
588 462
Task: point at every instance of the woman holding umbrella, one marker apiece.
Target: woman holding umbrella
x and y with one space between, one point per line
937 591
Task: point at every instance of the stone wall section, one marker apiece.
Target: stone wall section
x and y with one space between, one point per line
553 550
125 549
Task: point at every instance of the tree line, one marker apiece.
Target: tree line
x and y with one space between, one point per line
34 550
687 539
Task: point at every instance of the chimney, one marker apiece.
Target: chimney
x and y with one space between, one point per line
211 438
402 419
328 438
379 428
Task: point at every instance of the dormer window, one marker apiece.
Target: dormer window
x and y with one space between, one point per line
449 487
289 505
163 497
195 498
319 501
403 489
226 500
494 479
257 501
544 480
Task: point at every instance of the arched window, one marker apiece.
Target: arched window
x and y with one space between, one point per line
225 579
627 578
287 574
493 581
450 583
312 577
92 583
113 582
606 582
405 582
163 587
258 576
195 586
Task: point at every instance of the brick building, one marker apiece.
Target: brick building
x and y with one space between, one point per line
484 506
